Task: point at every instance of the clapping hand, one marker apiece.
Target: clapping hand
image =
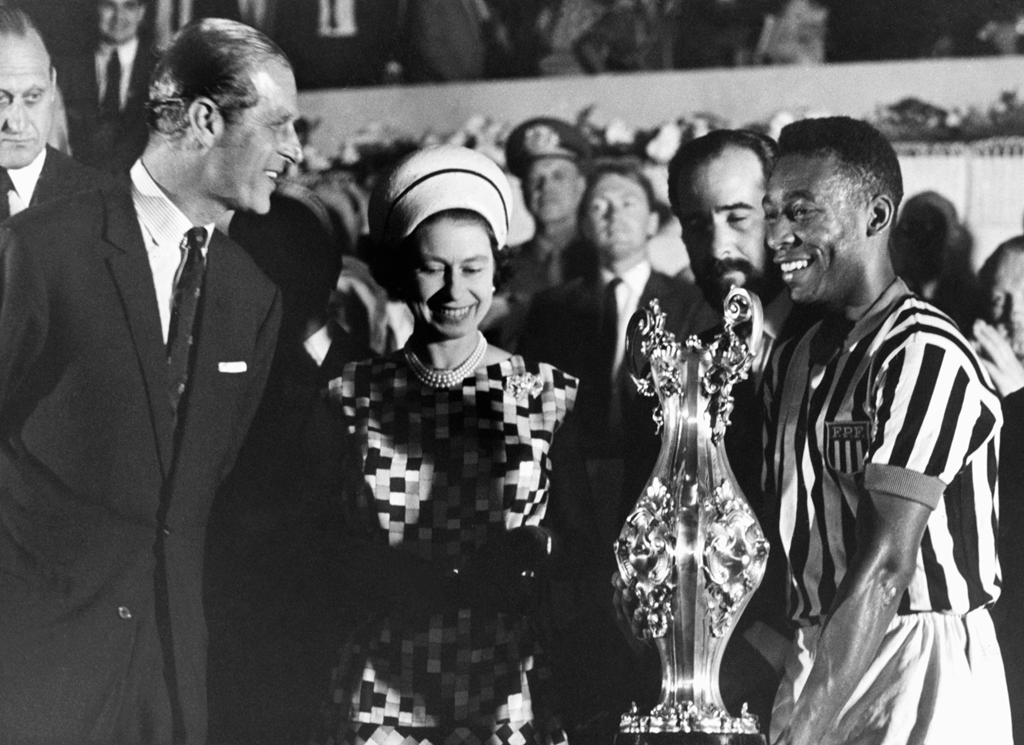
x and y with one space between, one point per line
999 359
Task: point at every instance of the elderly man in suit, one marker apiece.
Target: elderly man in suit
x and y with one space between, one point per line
31 172
137 342
105 90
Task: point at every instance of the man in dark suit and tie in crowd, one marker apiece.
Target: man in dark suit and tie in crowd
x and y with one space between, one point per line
105 91
31 172
580 327
716 185
137 342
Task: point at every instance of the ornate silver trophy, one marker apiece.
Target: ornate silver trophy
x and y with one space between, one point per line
692 552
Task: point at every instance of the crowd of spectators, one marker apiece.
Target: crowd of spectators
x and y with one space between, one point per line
338 43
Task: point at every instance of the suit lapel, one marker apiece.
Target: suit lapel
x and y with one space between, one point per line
140 77
129 265
47 178
653 289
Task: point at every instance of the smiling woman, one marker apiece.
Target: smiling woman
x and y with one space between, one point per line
443 480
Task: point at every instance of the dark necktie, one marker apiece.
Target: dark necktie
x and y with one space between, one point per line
608 340
111 103
184 309
609 334
6 186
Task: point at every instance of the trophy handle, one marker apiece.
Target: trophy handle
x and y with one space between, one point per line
644 326
745 316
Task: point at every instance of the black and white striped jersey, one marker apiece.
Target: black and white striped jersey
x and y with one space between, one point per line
904 406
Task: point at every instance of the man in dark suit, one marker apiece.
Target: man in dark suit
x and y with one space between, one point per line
271 613
105 91
580 327
137 342
31 172
716 185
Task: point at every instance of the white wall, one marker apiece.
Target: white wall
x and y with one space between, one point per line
741 95
989 200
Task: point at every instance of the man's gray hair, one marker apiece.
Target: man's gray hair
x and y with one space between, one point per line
211 58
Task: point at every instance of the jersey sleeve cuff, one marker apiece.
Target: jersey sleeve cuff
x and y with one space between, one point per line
900 482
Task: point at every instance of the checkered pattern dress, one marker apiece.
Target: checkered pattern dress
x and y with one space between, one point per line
440 472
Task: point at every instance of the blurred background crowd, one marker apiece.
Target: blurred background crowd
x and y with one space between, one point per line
336 43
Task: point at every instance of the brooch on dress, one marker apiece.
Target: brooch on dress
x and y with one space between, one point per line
521 385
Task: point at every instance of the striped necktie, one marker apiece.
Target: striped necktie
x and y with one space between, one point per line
184 309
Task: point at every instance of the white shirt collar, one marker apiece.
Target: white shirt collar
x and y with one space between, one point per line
159 216
26 178
126 52
635 278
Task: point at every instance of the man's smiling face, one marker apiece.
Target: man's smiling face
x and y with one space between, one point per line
816 224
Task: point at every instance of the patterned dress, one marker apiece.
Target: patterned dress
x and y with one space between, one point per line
438 473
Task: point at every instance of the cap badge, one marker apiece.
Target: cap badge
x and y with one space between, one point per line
541 140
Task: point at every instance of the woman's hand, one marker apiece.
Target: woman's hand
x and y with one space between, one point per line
625 603
997 355
502 574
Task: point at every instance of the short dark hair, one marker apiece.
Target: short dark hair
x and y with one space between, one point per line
987 273
212 58
391 268
863 154
701 150
629 168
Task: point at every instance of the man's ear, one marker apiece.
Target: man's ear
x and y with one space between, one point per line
653 224
881 213
205 121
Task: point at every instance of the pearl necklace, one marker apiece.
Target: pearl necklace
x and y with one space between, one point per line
446 378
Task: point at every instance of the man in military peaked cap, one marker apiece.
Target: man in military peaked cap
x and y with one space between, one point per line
550 157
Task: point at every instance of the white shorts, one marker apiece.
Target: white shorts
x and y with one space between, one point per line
936 679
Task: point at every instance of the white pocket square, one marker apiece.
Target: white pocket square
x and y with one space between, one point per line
232 367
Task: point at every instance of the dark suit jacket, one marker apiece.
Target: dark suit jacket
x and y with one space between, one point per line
562 328
63 176
103 509
111 144
269 619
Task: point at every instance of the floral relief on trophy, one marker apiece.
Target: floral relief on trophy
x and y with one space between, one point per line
661 351
645 553
735 555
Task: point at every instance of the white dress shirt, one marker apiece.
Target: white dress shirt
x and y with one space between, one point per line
163 228
627 298
126 54
25 180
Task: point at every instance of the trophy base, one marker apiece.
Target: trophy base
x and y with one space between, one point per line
689 738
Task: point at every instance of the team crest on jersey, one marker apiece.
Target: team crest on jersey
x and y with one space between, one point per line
846 445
